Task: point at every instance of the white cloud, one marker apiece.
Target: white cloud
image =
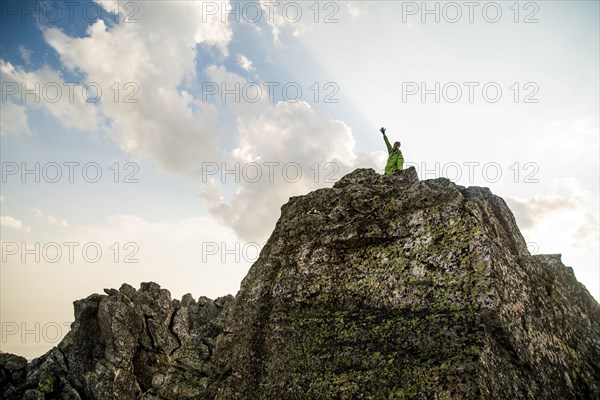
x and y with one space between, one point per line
528 212
166 123
276 142
300 18
50 218
380 158
13 223
587 235
180 132
245 63
568 217
574 188
13 119
287 15
298 143
296 132
46 90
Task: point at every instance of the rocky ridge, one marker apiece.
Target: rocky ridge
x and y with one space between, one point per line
382 287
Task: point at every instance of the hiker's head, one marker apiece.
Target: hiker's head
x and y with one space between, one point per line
396 145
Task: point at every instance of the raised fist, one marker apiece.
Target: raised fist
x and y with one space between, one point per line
382 130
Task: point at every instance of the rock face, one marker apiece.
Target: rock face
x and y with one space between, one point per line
124 345
382 287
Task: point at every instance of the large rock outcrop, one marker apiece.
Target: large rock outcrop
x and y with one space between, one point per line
382 287
123 345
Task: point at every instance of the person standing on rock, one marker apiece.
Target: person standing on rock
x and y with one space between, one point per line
395 160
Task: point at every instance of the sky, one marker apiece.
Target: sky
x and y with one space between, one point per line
157 141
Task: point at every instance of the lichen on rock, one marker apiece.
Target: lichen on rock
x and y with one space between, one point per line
381 287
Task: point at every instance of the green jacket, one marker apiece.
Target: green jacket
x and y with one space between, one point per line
395 160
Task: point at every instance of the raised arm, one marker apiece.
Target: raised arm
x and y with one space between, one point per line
387 142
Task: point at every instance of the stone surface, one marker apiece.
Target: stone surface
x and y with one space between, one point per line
382 287
127 344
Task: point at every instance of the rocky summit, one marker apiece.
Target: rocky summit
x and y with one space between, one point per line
382 287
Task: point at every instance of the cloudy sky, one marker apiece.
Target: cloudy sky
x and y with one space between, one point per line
158 140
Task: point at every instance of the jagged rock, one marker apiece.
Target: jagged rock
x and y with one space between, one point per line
123 345
12 372
385 287
382 287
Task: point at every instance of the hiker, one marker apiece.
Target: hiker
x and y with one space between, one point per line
395 159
